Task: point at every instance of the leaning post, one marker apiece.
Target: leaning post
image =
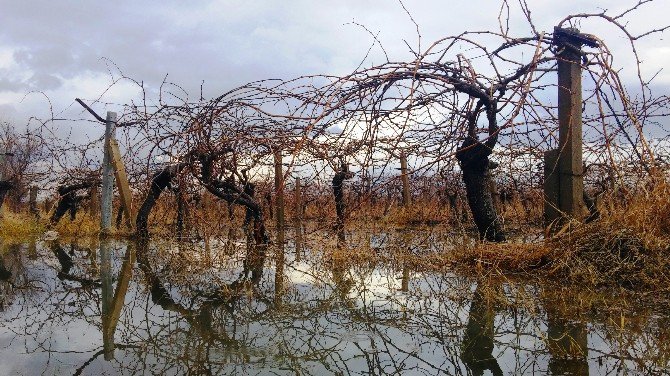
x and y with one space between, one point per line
107 193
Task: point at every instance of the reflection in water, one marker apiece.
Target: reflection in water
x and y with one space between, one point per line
4 273
5 282
477 348
279 266
567 342
235 314
297 239
405 277
113 300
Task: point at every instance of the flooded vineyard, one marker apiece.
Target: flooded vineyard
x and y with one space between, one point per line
308 306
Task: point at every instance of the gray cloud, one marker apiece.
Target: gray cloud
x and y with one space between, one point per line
56 45
12 85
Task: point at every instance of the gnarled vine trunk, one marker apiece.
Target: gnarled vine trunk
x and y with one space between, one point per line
340 206
69 201
230 192
5 186
159 182
473 157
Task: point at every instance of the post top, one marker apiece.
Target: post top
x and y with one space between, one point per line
571 37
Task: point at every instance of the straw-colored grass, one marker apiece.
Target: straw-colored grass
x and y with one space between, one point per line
16 227
629 245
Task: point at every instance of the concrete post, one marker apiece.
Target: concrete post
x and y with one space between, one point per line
107 193
552 210
563 173
404 176
107 294
570 164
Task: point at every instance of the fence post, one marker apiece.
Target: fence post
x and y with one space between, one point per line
297 200
2 165
570 165
297 217
121 177
279 190
32 201
406 197
564 179
552 211
94 201
107 193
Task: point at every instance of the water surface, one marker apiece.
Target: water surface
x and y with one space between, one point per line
220 307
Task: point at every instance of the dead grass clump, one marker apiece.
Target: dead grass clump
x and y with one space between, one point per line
19 226
513 257
609 252
629 245
84 225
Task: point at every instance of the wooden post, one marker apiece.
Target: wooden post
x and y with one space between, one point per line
404 176
107 176
279 190
297 216
404 286
122 182
94 201
2 165
32 201
297 200
279 274
112 304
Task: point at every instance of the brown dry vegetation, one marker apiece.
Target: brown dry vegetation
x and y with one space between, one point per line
627 246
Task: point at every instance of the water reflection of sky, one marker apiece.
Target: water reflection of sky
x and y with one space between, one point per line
188 311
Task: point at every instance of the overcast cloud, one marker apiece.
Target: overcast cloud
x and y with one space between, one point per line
66 49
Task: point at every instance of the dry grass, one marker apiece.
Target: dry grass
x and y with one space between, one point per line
629 245
16 227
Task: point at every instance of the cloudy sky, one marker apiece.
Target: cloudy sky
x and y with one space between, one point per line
54 51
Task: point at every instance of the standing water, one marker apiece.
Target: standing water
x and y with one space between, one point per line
220 307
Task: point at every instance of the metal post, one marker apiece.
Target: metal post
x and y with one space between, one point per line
107 193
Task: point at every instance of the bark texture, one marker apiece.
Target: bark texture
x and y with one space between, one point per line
5 186
159 182
473 157
340 206
68 200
